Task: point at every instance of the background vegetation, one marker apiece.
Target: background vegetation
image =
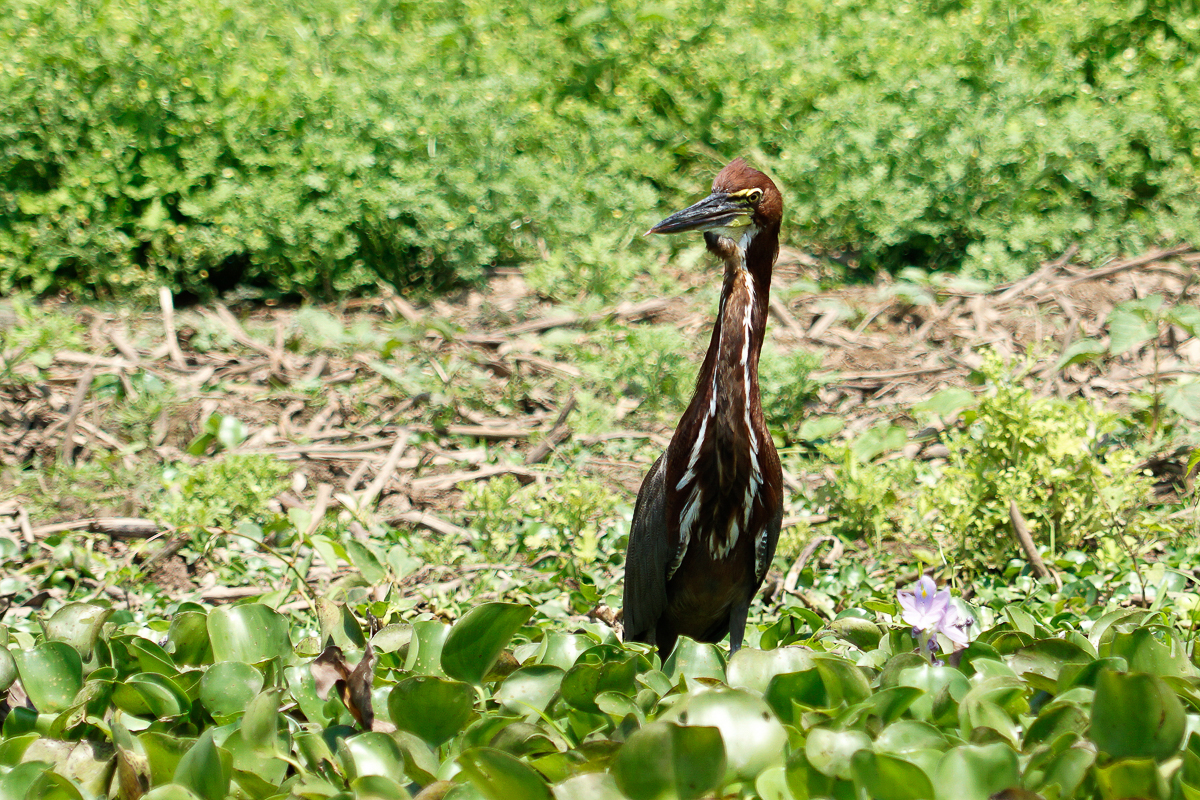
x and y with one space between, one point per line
321 148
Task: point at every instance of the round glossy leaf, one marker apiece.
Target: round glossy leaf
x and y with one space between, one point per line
249 633
563 649
1135 715
52 674
1132 778
844 682
477 639
52 786
377 787
425 649
228 687
170 791
829 752
694 659
753 669
15 783
584 681
205 769
187 639
933 680
753 736
588 786
665 759
8 669
499 776
372 753
77 624
885 777
1142 650
1047 657
260 723
908 735
530 689
163 753
433 708
87 764
771 784
146 694
976 772
861 633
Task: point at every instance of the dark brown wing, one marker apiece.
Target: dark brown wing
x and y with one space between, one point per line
646 559
764 550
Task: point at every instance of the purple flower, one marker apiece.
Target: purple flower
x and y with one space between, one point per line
930 611
924 607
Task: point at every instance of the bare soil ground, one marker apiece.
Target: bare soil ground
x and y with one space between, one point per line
881 349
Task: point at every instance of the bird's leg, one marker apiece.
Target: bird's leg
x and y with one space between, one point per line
737 625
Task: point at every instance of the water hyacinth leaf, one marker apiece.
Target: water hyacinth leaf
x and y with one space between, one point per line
521 739
228 687
562 650
1066 770
907 735
476 640
829 752
425 648
87 764
150 657
601 669
170 791
885 777
692 659
500 776
433 708
530 689
976 772
15 784
861 633
260 723
753 736
588 786
753 669
51 673
147 694
187 639
377 787
8 669
420 762
1132 777
805 689
1135 715
663 759
163 754
844 682
339 625
205 769
77 624
1143 652
52 786
255 757
1047 657
249 633
933 681
372 753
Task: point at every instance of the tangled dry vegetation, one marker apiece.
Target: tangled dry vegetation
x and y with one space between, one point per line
381 408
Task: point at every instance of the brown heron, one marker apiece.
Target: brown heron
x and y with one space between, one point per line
708 513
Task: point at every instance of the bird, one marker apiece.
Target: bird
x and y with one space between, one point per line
708 513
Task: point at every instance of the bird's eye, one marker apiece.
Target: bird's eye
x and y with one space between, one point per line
755 195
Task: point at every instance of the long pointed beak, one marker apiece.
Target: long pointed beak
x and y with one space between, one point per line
717 210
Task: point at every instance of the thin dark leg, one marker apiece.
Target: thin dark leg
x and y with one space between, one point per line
737 625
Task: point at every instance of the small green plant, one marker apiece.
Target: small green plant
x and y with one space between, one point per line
221 492
1133 325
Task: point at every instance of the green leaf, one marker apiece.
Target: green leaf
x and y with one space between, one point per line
476 640
885 777
1138 778
1184 399
664 759
830 752
693 660
77 624
976 772
753 736
249 633
52 674
1129 329
228 687
1135 715
753 669
205 769
947 402
425 648
530 689
372 753
433 708
1079 352
499 776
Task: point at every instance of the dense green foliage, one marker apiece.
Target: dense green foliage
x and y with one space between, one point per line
324 148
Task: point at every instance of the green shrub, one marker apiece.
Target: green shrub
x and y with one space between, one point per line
321 148
1057 459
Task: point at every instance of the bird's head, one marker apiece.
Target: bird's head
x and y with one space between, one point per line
743 202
